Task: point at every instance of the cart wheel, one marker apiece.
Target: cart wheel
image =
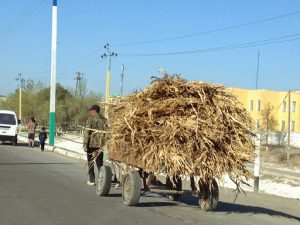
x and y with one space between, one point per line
208 199
104 181
173 197
131 188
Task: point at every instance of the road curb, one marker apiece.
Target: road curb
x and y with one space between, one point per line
59 150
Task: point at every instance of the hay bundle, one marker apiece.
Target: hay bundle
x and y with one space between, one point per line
183 128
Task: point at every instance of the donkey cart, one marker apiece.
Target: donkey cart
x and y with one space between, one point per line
133 180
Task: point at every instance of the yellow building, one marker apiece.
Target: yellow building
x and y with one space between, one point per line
255 100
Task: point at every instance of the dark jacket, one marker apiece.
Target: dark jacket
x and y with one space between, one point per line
42 136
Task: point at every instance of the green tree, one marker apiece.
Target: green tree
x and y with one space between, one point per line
80 107
71 109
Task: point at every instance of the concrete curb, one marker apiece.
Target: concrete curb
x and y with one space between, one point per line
58 150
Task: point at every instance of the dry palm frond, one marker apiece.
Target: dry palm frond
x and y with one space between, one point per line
94 155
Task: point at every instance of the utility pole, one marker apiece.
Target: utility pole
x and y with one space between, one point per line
122 78
19 78
80 85
257 69
289 125
53 74
78 79
108 55
256 170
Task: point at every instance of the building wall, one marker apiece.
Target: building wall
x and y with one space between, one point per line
251 99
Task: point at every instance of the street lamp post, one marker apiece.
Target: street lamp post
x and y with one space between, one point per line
53 74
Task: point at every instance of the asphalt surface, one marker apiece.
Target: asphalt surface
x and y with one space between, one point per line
50 189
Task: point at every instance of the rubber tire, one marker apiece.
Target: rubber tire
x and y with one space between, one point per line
131 188
172 197
15 143
104 181
208 199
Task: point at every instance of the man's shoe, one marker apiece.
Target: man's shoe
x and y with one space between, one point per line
91 183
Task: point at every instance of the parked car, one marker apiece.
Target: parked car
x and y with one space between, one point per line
9 126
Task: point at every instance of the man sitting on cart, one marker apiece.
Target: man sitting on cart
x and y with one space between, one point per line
94 141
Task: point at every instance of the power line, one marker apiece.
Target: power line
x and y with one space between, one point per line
210 31
91 63
70 71
281 102
71 64
15 27
269 41
180 37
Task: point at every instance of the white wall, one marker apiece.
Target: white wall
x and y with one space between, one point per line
281 138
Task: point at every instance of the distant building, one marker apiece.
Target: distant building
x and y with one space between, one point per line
255 100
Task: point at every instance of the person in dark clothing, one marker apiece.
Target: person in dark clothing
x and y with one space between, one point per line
94 141
43 137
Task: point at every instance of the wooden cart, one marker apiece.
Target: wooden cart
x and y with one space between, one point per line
133 179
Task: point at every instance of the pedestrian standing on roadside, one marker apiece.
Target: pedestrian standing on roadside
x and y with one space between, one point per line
43 137
31 131
94 141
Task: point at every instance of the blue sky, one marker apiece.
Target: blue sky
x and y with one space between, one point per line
85 26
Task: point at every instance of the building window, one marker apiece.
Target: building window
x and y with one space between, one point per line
251 105
283 106
282 125
293 126
293 106
258 105
257 124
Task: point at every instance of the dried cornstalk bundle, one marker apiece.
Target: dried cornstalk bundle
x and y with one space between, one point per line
183 128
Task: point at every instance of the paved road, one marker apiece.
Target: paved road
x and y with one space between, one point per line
49 189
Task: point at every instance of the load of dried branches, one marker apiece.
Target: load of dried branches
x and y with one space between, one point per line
187 128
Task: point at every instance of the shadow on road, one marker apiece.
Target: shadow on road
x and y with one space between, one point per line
119 195
22 144
238 208
156 204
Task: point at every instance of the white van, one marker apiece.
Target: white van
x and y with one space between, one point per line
9 126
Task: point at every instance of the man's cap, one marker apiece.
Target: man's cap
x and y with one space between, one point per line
95 107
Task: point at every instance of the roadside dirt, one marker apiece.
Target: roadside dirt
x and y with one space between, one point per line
278 156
